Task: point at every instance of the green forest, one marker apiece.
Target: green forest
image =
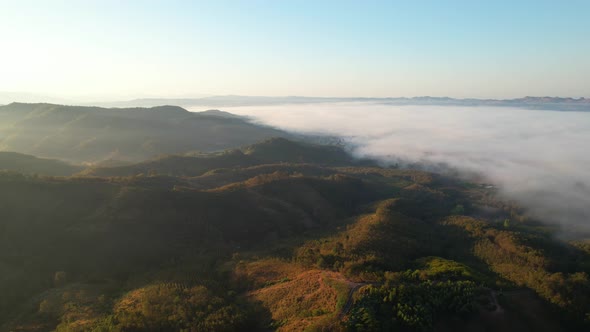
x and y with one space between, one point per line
276 235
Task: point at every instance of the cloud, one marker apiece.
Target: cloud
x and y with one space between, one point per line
538 158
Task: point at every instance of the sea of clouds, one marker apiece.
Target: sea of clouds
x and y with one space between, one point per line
539 158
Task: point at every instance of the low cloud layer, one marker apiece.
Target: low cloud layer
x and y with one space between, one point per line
539 158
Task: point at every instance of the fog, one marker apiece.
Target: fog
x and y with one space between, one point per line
538 158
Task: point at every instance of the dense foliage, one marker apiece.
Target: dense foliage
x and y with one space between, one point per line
282 236
411 306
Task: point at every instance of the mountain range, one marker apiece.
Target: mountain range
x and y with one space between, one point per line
540 103
215 101
255 233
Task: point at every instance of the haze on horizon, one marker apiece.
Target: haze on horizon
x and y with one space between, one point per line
112 50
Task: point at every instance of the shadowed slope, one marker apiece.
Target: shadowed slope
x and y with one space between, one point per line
27 164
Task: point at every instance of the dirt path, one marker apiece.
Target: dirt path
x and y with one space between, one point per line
349 299
355 286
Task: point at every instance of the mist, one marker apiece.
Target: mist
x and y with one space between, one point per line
537 158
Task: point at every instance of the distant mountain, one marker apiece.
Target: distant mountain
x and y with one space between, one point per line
206 101
27 164
93 134
541 103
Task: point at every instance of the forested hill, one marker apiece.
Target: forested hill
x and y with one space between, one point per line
279 236
91 134
271 151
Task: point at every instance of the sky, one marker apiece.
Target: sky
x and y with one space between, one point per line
123 49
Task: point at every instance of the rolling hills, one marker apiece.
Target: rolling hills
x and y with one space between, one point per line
278 235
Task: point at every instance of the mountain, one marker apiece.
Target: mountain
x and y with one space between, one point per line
539 103
279 235
93 134
27 164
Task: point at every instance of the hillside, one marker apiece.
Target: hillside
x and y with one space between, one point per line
281 236
93 134
27 164
271 151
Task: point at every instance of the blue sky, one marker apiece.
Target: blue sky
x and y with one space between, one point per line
111 49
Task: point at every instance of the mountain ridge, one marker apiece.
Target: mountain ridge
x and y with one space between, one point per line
84 134
541 102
